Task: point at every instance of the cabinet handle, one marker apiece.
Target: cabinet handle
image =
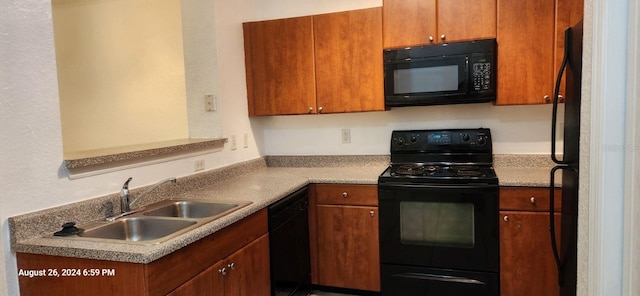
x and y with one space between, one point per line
223 271
232 266
310 109
547 99
533 200
561 98
372 213
430 38
506 218
344 194
443 37
320 109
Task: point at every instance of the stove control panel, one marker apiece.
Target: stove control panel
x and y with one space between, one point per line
439 138
442 146
420 140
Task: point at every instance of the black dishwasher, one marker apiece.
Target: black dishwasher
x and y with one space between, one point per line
289 245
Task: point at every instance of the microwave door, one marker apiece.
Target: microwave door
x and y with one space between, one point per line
412 82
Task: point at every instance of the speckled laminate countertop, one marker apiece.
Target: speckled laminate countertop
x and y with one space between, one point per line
262 187
261 181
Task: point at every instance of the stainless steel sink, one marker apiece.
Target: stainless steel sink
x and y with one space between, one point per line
158 222
192 209
138 228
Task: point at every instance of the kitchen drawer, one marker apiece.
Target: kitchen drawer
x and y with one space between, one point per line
534 199
341 194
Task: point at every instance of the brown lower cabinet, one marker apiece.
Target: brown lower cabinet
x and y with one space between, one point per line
344 236
242 249
527 266
245 272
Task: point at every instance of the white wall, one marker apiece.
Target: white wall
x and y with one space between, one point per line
515 129
31 152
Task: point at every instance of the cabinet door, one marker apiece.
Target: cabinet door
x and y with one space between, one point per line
527 265
279 64
348 60
525 36
208 283
248 270
466 20
569 13
348 250
408 22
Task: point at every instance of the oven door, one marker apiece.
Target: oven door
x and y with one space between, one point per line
439 226
437 80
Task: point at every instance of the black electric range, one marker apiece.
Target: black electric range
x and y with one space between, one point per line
438 205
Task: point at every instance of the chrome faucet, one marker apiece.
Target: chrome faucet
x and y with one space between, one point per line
125 196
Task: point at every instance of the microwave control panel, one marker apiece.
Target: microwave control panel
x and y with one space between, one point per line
481 76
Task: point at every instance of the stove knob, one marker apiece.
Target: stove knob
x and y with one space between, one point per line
481 140
466 137
400 141
414 138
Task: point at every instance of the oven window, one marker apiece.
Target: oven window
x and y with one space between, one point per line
442 224
426 79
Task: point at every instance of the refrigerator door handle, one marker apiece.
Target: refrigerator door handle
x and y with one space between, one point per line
556 93
552 222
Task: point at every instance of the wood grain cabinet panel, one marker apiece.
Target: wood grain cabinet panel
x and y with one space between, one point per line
352 194
280 68
248 270
344 237
208 283
244 273
348 247
527 265
328 63
418 22
526 32
533 199
348 59
530 48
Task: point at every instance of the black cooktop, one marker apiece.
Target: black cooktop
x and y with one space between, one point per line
457 174
457 156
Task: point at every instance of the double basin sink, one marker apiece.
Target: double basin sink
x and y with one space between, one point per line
159 222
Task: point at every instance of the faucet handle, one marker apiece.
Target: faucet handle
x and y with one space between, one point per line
126 183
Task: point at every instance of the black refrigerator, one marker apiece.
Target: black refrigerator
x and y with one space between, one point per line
565 250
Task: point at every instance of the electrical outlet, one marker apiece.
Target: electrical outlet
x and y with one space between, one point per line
346 136
209 103
234 142
198 165
246 141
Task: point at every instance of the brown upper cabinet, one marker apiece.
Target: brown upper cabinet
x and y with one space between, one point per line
315 64
418 22
280 67
530 48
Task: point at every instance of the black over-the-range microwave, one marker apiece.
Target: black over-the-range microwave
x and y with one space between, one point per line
449 73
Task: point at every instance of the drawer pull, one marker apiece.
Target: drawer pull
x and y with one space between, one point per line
533 200
344 194
506 218
372 213
223 271
231 266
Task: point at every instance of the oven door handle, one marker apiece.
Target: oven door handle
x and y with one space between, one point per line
440 278
437 186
